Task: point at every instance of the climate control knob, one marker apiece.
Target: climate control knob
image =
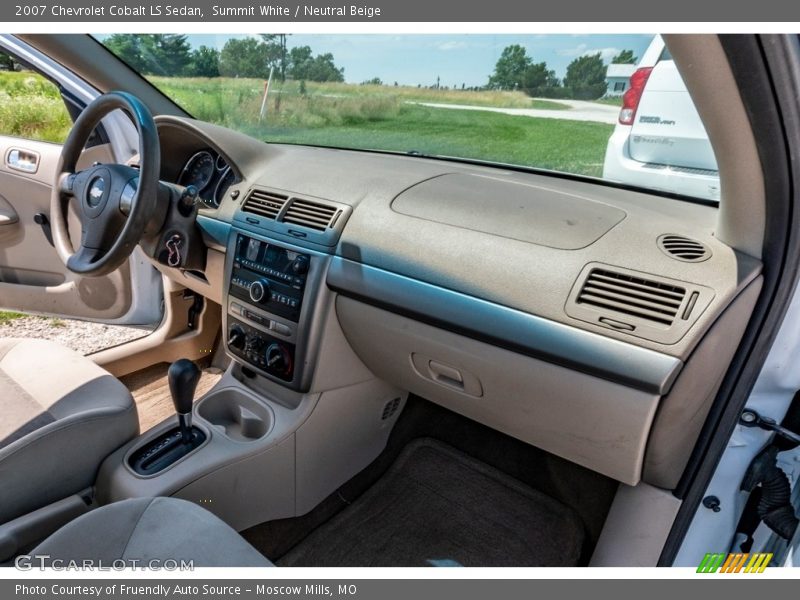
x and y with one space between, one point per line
259 290
236 337
278 358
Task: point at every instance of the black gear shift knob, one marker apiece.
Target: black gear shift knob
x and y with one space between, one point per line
183 376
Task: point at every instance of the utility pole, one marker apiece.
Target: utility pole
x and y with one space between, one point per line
283 56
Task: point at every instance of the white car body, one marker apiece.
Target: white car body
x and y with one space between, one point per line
665 145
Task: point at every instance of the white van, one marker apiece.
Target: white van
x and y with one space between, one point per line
659 140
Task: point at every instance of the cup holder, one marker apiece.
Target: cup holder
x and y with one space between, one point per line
239 416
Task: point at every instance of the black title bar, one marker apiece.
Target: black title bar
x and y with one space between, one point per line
441 11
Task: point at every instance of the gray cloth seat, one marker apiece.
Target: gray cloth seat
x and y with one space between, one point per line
141 530
62 415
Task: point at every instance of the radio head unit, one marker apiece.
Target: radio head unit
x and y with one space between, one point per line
266 328
269 276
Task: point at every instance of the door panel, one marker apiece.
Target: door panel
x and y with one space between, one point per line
32 277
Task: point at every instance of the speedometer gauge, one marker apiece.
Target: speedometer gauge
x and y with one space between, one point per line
198 170
228 179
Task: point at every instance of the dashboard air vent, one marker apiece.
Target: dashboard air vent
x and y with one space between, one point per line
645 299
683 248
308 213
390 408
263 203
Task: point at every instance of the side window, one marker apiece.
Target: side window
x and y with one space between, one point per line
31 106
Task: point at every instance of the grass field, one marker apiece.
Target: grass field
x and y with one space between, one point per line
243 89
30 107
344 115
612 101
571 146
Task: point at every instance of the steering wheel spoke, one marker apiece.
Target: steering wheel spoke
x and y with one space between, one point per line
83 258
66 184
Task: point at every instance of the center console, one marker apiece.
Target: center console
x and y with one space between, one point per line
264 443
268 320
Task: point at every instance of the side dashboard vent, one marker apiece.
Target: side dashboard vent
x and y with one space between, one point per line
307 213
649 300
264 203
683 248
390 409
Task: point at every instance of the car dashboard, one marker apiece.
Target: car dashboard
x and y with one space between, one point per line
563 312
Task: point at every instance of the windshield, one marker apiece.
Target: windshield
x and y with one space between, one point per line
559 102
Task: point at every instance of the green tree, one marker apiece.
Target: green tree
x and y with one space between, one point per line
171 54
324 69
276 52
7 63
300 61
283 54
247 57
537 77
510 68
586 77
128 47
373 81
515 70
625 57
205 62
302 65
161 54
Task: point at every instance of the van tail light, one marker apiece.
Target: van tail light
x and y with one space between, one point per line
630 99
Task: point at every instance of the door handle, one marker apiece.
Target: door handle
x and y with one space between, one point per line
26 161
7 219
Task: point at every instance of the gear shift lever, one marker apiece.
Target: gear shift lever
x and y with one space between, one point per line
170 446
183 376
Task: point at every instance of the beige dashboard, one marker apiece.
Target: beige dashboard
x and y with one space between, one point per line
564 312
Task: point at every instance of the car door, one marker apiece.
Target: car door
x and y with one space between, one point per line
32 276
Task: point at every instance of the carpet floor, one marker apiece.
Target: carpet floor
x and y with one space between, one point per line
439 507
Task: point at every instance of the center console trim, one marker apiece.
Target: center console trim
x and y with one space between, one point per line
303 334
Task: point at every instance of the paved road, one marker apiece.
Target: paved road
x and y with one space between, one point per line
579 110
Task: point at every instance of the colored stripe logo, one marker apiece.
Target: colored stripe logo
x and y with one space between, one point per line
735 563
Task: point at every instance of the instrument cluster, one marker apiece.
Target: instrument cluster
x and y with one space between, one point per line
210 174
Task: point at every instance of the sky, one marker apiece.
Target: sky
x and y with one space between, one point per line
456 59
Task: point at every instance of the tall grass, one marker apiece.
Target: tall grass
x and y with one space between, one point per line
494 98
350 116
31 107
236 102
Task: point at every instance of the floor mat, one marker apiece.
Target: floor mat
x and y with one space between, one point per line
439 507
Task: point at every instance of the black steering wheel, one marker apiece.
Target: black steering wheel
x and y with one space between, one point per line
115 202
